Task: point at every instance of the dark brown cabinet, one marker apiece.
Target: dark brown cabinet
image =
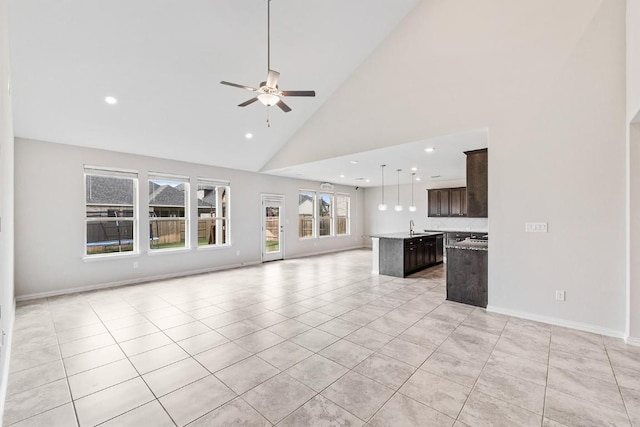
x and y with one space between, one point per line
421 252
439 202
458 201
477 183
447 202
401 257
439 249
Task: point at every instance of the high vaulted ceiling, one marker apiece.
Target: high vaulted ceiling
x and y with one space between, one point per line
163 61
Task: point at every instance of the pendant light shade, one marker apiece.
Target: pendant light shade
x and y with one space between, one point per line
382 206
412 208
398 207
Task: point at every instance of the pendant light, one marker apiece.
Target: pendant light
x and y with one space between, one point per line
398 207
412 208
382 206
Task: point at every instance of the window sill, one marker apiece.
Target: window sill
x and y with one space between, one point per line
112 256
154 252
214 247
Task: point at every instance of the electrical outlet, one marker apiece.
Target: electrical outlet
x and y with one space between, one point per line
535 227
561 296
237 253
135 264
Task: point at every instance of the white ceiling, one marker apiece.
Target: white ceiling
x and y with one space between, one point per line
446 163
163 60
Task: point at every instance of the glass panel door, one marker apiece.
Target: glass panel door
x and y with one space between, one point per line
272 227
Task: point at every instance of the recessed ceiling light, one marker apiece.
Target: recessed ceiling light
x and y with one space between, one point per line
110 100
418 178
414 169
430 149
341 176
367 180
353 162
248 135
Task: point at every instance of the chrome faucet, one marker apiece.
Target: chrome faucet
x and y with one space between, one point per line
411 225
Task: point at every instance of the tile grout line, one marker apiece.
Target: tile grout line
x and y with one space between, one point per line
137 371
615 377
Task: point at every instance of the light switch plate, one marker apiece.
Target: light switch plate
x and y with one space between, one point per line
535 227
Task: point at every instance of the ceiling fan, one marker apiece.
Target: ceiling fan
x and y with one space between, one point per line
268 92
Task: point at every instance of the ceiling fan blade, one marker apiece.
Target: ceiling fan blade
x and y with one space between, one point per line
284 107
272 78
252 89
298 93
251 101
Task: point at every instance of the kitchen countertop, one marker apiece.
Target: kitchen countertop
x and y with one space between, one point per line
405 235
470 245
448 230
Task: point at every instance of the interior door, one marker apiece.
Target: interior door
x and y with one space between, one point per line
272 227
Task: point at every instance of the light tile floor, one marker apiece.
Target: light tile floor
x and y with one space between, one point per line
314 341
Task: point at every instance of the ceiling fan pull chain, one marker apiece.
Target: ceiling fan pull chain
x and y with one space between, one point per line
268 36
268 122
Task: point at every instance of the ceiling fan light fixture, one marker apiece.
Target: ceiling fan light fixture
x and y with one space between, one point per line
268 99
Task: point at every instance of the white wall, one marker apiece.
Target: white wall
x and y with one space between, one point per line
50 211
633 165
633 58
6 206
634 235
547 79
390 221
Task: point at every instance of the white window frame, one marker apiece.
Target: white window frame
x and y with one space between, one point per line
314 216
227 219
331 214
335 201
115 173
160 176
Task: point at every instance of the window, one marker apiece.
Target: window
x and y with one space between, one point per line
110 206
325 214
306 220
168 216
213 212
342 214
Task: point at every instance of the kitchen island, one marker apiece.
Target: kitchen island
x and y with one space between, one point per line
467 272
401 254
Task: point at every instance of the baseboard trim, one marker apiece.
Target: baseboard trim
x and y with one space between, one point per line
146 279
632 341
5 366
586 327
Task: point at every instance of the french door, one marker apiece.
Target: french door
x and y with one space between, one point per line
272 227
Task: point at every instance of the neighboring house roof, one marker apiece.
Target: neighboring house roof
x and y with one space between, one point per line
166 195
106 190
206 198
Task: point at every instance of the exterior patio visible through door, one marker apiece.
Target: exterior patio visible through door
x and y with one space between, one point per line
272 227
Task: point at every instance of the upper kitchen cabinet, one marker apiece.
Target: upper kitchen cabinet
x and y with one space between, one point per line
439 202
447 202
458 201
477 183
